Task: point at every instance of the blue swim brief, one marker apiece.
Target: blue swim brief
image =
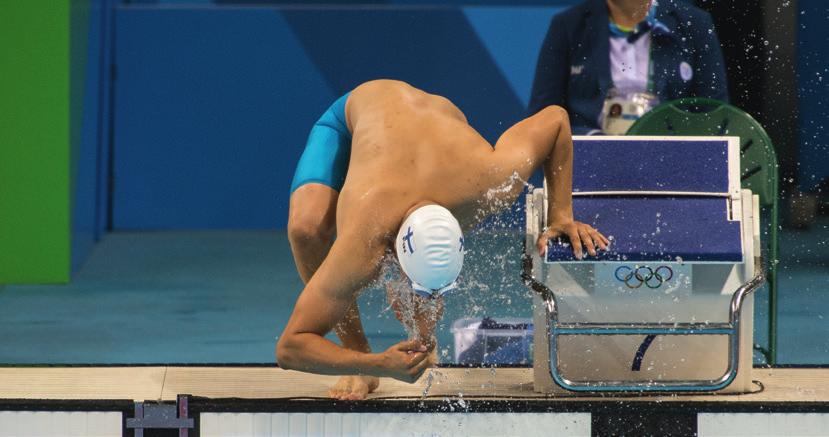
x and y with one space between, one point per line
326 155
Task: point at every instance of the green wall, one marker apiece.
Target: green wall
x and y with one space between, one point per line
34 141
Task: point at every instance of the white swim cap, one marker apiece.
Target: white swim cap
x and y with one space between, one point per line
429 247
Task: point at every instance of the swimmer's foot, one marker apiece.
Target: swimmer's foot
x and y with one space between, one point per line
353 388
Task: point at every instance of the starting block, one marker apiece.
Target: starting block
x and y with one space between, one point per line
669 307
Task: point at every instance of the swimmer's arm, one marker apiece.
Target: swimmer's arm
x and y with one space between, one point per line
558 172
322 304
324 301
542 140
545 140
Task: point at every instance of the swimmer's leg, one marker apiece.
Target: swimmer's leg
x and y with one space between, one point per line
311 226
311 230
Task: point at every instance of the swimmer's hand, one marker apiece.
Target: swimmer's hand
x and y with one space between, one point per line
405 361
581 236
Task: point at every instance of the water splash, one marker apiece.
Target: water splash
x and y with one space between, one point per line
428 386
500 198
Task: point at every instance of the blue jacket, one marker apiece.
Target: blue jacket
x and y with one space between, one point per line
573 68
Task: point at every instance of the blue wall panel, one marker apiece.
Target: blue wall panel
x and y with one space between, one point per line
90 84
436 50
212 110
83 107
375 2
813 87
213 104
511 36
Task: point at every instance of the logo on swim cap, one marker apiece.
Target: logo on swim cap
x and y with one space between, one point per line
429 247
407 240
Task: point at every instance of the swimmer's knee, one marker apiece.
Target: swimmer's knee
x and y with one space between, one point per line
309 231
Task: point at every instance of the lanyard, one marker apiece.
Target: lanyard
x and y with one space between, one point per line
631 35
650 86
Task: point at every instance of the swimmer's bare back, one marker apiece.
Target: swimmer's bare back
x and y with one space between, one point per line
409 146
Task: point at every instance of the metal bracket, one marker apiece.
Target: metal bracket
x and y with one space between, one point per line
731 329
161 416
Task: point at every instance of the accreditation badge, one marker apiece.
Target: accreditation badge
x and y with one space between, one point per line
622 109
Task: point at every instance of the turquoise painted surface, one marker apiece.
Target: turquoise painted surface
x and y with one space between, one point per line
83 117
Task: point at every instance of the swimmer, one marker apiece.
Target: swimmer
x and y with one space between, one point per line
391 168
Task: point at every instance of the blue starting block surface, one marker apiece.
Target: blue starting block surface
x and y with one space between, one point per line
657 228
653 165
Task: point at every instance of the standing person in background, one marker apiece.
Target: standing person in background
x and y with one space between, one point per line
636 53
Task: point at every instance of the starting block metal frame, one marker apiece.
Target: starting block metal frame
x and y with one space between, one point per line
731 329
742 224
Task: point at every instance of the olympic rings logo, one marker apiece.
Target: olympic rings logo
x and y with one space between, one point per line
643 275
